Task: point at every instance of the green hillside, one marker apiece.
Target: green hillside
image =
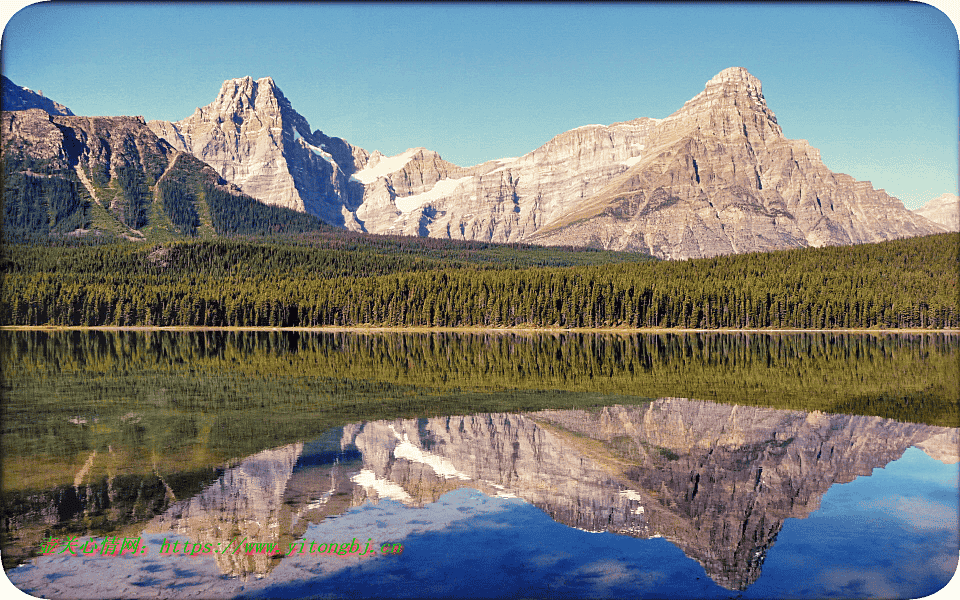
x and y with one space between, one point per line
106 179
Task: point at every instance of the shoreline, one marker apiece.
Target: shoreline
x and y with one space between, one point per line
487 330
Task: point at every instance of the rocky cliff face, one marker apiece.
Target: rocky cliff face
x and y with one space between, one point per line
716 177
509 200
21 98
252 136
944 210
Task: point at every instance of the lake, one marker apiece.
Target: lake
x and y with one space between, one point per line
287 464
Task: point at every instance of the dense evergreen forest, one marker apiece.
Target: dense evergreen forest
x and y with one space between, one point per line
318 281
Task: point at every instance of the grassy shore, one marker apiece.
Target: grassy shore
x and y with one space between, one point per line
527 330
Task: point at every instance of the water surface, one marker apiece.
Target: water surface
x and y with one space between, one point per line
505 465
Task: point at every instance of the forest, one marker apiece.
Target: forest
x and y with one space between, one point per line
313 280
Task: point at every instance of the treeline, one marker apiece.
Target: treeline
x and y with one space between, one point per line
453 252
905 377
908 283
220 259
38 200
310 256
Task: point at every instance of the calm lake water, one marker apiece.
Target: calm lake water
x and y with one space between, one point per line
479 465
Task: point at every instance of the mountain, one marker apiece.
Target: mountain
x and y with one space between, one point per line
944 210
113 177
21 98
716 177
252 136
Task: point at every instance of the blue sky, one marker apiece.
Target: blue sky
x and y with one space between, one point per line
873 86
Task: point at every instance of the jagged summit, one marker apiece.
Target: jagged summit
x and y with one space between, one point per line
734 75
731 103
245 94
16 97
249 87
246 80
255 139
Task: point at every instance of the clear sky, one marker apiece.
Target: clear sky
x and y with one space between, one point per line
873 86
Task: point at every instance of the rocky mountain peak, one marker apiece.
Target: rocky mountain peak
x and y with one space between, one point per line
249 87
246 95
719 177
731 104
21 98
739 84
254 138
735 76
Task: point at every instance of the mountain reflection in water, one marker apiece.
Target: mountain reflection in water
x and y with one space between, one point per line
716 480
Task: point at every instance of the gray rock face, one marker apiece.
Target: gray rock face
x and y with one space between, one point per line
21 98
716 177
509 200
944 210
252 136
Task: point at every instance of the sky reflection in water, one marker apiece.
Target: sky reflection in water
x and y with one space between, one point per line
890 534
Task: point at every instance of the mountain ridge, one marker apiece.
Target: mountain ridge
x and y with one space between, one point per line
112 177
715 177
720 178
944 210
16 97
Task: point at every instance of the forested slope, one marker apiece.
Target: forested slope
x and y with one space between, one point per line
111 178
909 283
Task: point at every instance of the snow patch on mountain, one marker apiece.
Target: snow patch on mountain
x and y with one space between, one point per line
385 166
439 190
319 152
